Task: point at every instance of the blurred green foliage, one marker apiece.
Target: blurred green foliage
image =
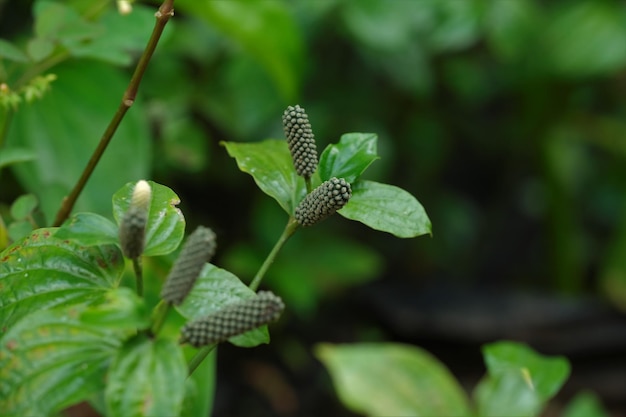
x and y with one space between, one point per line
504 117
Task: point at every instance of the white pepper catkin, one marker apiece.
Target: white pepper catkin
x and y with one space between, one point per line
133 225
300 140
234 319
197 250
323 201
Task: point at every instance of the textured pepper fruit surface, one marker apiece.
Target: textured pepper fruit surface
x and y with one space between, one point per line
234 319
133 225
323 201
198 249
300 140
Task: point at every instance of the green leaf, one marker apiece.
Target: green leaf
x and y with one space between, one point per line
166 223
120 308
64 135
42 271
266 30
19 229
199 398
146 378
89 229
11 52
23 206
270 164
389 379
580 39
387 208
349 158
51 360
15 155
585 404
39 48
520 381
214 289
119 37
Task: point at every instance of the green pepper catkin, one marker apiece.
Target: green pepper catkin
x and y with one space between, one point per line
133 225
234 319
198 249
300 140
323 201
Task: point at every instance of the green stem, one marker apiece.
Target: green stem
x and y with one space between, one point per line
290 229
162 17
138 275
307 182
160 312
200 355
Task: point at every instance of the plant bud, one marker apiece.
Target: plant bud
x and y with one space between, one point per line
133 225
234 319
198 249
323 201
300 140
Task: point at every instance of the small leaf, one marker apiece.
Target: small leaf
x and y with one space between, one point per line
214 289
39 48
14 155
387 208
146 378
389 379
54 358
23 206
120 308
269 162
19 229
89 229
520 381
585 404
11 52
349 158
42 271
166 223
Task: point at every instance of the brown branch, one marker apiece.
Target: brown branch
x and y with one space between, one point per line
162 17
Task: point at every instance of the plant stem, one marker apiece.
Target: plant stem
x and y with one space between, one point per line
138 275
200 356
290 228
307 182
160 312
162 17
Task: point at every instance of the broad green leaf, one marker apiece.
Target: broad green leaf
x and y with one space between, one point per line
14 155
42 271
119 37
23 206
389 379
146 378
349 158
387 208
215 289
166 223
63 135
520 381
266 30
11 52
120 308
52 360
585 404
270 164
89 229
